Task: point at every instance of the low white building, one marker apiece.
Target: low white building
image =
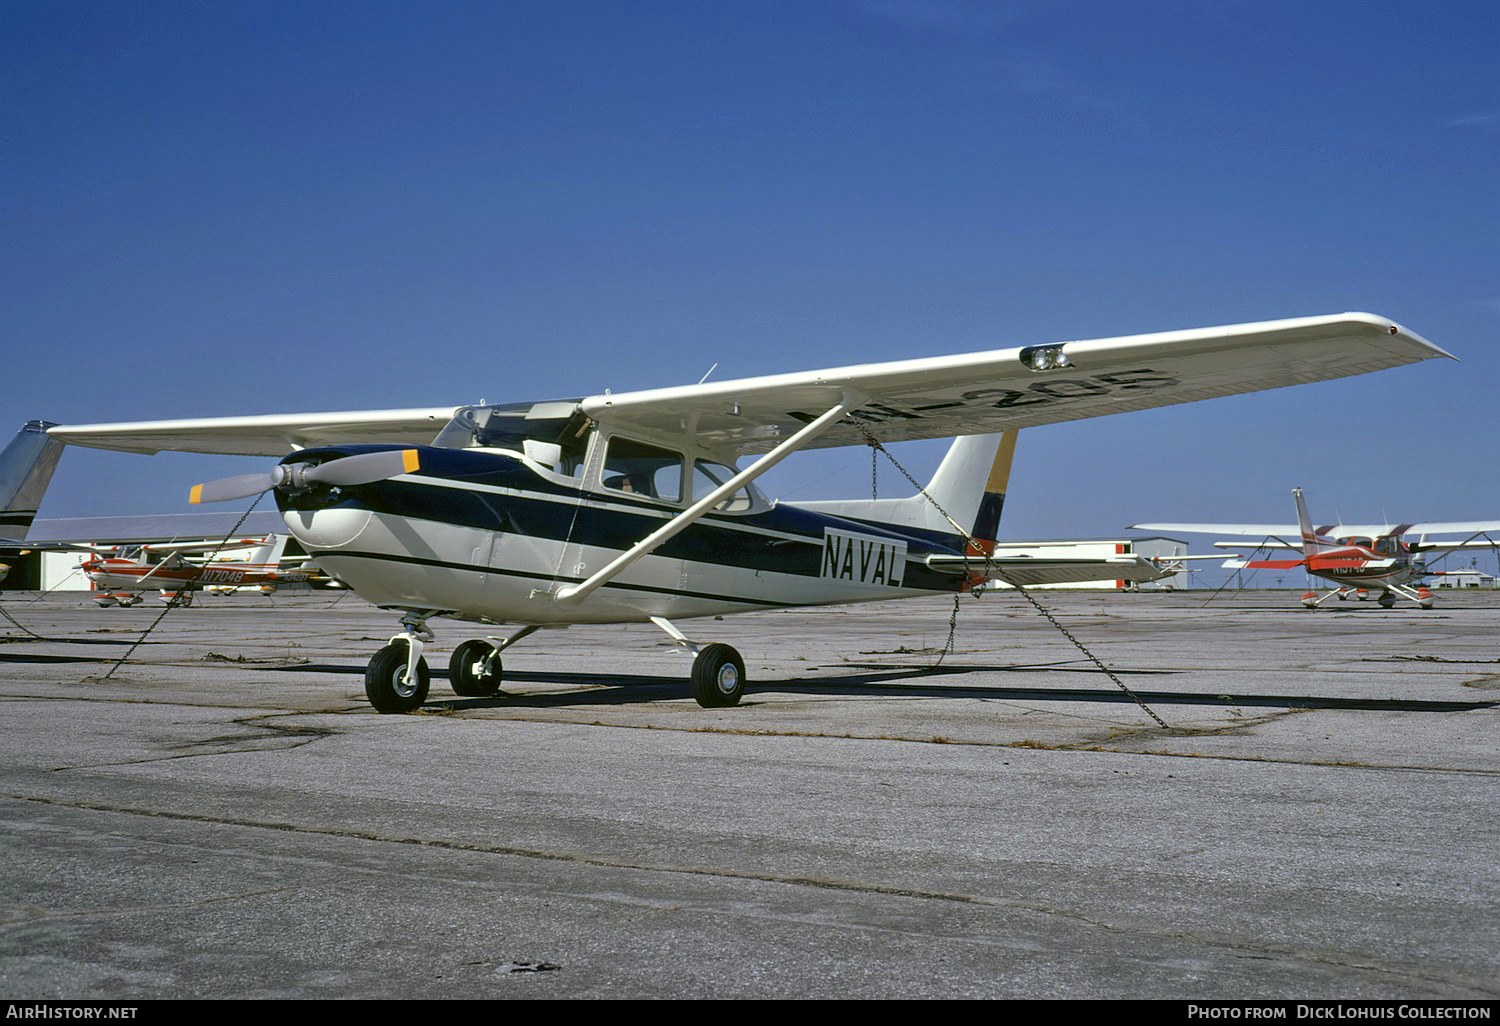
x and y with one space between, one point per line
1470 577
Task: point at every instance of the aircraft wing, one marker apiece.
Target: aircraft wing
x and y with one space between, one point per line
1469 527
978 393
1247 530
1032 570
268 435
1454 546
934 397
1456 527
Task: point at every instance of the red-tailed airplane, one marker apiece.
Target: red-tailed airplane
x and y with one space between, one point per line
630 507
122 576
1359 558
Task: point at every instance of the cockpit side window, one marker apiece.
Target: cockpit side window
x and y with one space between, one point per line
642 469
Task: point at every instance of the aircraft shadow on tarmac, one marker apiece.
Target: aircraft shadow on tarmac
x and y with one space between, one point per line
903 682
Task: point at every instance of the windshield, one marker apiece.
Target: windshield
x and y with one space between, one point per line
512 425
507 426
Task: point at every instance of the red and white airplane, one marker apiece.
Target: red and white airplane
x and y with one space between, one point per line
1359 558
130 570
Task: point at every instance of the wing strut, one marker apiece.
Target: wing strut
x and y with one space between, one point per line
574 593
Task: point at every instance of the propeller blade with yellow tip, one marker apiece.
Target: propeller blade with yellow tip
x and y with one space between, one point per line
238 487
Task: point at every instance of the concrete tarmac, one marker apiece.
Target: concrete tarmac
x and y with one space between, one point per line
224 816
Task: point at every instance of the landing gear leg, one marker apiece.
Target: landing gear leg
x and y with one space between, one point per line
1421 595
718 677
1311 600
475 671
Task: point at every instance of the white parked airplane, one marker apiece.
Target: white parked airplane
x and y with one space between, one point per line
630 507
1359 558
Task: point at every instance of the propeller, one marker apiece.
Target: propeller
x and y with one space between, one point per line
295 477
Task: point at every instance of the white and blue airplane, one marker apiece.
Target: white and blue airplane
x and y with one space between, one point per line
631 507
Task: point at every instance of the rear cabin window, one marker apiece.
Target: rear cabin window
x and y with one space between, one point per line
642 469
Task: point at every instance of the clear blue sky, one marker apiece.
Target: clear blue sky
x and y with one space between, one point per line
232 208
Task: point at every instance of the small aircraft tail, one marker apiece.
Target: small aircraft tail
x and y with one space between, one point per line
1312 542
969 485
267 555
26 468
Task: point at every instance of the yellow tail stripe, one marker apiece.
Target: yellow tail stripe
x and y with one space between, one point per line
1005 454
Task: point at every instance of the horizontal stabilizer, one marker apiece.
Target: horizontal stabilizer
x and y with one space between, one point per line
1028 571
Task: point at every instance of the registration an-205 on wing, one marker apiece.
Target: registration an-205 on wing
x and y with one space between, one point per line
632 507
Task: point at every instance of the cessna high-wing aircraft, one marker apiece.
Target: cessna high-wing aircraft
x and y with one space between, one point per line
629 507
1356 557
130 570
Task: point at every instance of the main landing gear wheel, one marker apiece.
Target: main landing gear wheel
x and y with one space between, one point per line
387 686
467 673
718 676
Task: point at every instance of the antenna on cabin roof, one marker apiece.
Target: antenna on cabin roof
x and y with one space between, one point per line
710 371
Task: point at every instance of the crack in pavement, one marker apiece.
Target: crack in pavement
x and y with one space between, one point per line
283 738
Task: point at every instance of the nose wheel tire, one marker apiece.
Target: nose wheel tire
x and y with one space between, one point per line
466 670
386 683
718 677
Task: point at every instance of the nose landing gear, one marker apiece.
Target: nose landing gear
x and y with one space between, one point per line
397 678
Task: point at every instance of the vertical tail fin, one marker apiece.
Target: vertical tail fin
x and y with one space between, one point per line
26 468
268 553
969 485
1312 543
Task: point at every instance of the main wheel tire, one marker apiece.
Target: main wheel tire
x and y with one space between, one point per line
386 684
718 677
466 666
